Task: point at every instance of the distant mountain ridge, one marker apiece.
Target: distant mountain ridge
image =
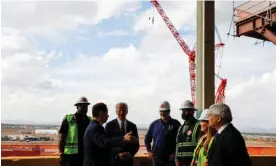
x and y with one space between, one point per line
17 122
27 122
258 130
271 130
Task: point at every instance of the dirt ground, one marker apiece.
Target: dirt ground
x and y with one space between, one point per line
6 132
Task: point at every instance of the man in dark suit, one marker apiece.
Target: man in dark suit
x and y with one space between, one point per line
122 156
228 147
97 146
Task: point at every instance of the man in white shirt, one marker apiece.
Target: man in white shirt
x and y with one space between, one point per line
119 127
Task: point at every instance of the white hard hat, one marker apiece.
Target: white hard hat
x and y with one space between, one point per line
204 115
82 100
164 106
187 105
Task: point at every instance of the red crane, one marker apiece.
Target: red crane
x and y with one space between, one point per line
191 55
220 95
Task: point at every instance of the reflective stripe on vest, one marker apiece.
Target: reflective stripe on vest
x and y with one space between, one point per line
184 154
186 149
194 132
182 144
71 146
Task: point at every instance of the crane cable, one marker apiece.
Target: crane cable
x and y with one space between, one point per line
228 34
221 55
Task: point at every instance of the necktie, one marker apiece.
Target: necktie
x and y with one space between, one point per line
216 136
123 127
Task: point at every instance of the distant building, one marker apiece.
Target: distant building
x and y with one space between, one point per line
50 132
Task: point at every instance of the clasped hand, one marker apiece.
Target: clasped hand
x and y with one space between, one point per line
124 156
130 138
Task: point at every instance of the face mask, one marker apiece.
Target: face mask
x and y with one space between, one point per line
186 116
82 109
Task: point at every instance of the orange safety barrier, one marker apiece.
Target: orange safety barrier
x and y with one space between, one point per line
29 150
52 150
271 151
138 161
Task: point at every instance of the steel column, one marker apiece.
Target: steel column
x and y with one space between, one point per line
209 54
199 58
205 59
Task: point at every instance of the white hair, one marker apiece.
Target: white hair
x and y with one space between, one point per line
122 104
222 110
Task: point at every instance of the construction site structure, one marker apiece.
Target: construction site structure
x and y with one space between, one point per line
220 94
256 19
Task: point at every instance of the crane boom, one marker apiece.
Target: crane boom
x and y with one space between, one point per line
190 54
183 45
220 95
174 31
221 91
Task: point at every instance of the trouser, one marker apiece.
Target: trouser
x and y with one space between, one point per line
119 162
163 163
186 162
71 160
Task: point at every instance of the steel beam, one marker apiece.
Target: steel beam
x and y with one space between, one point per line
257 26
270 36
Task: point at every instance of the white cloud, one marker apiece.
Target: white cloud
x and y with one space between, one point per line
23 66
252 101
109 8
142 76
178 16
13 43
115 33
49 18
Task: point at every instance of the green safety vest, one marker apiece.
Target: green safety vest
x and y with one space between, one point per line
202 157
71 145
186 148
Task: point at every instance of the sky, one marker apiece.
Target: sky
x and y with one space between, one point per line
55 52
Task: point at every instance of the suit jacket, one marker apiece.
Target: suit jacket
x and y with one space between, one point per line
113 130
97 146
228 149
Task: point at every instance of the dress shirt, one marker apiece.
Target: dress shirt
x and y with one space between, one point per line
120 123
222 128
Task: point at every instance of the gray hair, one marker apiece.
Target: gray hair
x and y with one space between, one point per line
123 104
222 110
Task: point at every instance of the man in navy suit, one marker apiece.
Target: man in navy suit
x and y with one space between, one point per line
97 146
228 147
122 156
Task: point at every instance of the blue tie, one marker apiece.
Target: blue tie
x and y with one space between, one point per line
216 136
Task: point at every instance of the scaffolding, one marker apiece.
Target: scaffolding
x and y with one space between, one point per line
256 19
